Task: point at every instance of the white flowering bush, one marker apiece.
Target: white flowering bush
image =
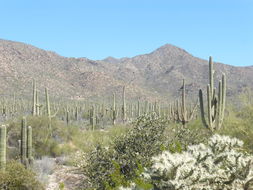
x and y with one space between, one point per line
219 165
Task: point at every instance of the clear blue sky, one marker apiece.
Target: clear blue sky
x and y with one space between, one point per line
124 28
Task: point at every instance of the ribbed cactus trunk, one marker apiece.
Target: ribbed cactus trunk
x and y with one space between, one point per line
34 98
76 113
92 117
138 109
182 112
24 142
47 103
183 105
114 110
29 145
37 104
48 110
2 147
67 116
123 105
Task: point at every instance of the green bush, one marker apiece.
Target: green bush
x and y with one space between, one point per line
181 137
138 145
45 142
239 124
16 177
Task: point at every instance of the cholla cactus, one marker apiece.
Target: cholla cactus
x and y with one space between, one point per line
217 165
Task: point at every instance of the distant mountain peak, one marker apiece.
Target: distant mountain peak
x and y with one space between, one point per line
110 59
166 48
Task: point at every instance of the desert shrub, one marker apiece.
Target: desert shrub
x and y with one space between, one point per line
220 164
239 125
126 153
93 138
44 167
45 142
16 177
180 137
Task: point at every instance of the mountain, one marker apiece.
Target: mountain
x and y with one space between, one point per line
154 76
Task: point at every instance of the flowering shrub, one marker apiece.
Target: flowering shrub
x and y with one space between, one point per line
218 165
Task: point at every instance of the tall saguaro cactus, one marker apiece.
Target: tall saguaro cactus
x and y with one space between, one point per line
23 142
29 145
49 109
186 114
215 103
34 98
114 109
36 105
123 105
2 147
26 144
92 117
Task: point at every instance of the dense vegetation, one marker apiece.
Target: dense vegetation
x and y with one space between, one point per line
124 144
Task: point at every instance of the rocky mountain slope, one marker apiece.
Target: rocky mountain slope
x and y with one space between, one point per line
157 75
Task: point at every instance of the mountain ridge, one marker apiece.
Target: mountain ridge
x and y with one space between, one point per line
153 76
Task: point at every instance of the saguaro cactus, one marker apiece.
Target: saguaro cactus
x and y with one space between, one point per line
49 109
24 142
215 104
185 115
123 105
34 98
114 109
67 116
29 145
76 113
138 109
36 105
2 147
92 117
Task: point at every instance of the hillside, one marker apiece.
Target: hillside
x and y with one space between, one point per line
157 75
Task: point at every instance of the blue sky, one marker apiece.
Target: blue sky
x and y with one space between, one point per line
124 28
